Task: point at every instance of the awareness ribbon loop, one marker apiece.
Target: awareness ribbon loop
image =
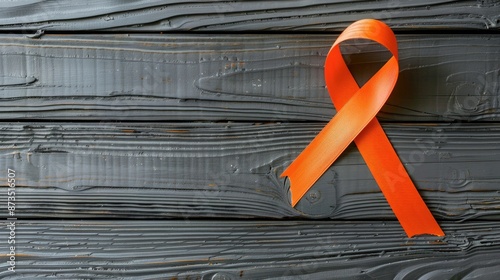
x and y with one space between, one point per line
355 121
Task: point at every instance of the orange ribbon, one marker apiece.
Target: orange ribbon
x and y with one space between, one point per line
355 120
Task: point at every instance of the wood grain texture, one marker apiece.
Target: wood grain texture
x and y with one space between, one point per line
237 77
227 170
209 16
250 250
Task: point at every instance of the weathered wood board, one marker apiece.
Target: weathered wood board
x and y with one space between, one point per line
237 77
250 250
212 16
145 170
147 139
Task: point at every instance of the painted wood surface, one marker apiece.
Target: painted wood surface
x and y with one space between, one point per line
188 186
237 77
210 16
144 170
250 250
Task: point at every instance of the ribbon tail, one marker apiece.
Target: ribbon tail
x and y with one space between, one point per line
315 159
395 183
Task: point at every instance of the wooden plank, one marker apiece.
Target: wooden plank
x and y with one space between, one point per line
249 250
209 16
182 170
237 77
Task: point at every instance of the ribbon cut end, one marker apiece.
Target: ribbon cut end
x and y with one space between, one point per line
295 195
438 233
423 229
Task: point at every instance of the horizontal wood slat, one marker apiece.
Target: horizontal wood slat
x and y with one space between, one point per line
249 250
209 16
237 77
231 170
211 119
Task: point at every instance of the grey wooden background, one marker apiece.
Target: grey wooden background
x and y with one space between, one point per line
148 138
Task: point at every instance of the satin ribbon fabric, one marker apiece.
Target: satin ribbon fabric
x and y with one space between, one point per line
355 121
